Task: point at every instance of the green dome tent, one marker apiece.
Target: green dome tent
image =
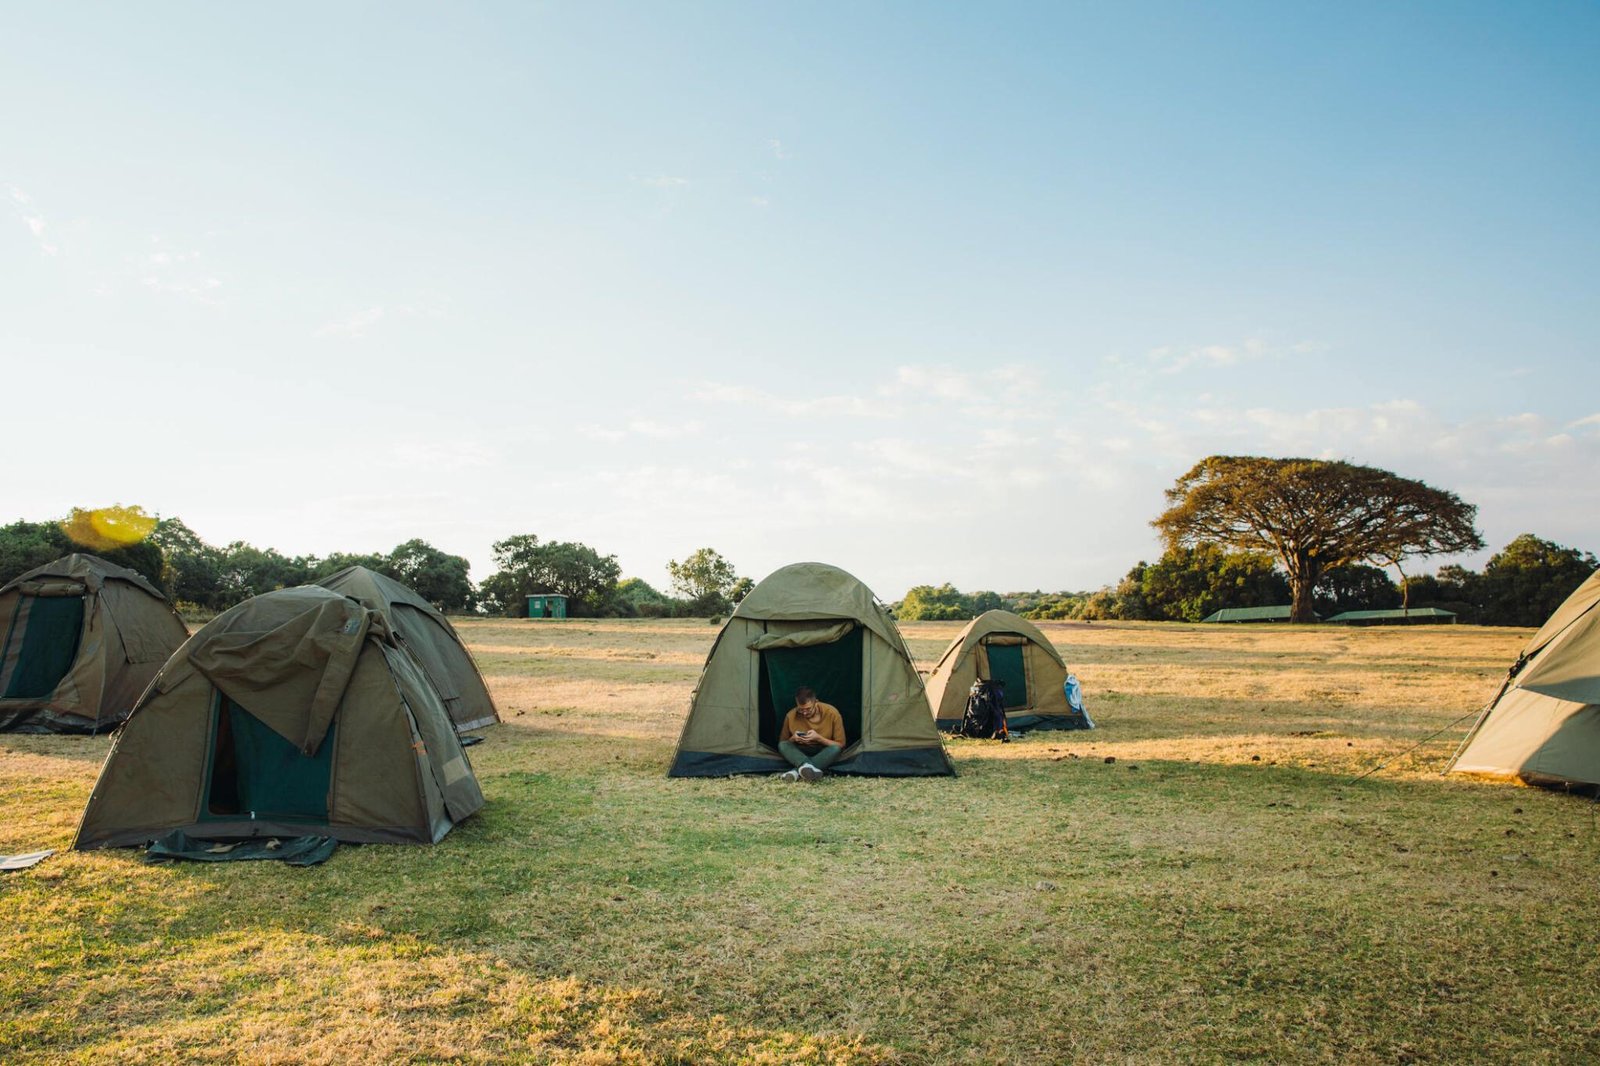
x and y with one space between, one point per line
80 638
809 624
296 713
1544 725
429 636
1001 646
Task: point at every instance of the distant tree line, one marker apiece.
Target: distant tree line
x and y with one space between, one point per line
1294 531
211 578
204 577
704 583
1519 586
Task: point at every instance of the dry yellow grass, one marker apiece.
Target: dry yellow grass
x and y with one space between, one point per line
1219 892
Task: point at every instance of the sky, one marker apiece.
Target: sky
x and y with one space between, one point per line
930 291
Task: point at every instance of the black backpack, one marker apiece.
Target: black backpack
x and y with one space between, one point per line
985 718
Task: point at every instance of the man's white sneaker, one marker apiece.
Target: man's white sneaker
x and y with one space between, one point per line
809 772
792 775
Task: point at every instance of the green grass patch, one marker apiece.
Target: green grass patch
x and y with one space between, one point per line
1220 891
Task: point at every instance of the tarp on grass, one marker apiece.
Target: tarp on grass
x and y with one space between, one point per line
178 846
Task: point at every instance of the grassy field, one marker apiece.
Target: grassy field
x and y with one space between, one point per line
1221 891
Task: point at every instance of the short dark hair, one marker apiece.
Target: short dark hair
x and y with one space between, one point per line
803 693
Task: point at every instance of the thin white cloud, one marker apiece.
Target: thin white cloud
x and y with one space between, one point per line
1174 359
22 207
649 427
937 381
354 326
357 325
775 146
756 399
443 456
175 272
1007 393
664 181
201 290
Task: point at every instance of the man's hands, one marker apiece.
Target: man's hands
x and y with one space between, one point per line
811 736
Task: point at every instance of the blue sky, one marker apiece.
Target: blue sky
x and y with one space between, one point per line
934 292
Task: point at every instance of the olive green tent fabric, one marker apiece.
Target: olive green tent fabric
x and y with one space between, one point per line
993 646
80 638
814 624
1544 726
430 637
296 712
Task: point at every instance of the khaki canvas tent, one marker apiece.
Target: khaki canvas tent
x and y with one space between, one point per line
296 713
430 637
80 638
809 624
1001 646
1544 725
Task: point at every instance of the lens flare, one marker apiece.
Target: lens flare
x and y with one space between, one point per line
108 528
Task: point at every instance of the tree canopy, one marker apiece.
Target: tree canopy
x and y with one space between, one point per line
706 580
927 603
1187 584
527 567
1314 515
25 545
1521 585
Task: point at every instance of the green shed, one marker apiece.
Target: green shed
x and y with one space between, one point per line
1250 614
1397 616
547 605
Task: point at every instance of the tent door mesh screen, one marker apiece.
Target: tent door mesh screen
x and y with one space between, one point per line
834 670
1007 667
49 645
255 773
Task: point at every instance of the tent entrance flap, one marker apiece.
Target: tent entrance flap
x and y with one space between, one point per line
257 774
49 645
1007 667
834 670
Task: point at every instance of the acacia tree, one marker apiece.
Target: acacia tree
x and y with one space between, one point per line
1314 515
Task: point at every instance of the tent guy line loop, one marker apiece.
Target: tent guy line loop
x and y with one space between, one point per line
1418 744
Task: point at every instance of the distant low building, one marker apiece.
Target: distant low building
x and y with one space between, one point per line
1250 614
547 605
1397 617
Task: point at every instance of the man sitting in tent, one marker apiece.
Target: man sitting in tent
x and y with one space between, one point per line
812 737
